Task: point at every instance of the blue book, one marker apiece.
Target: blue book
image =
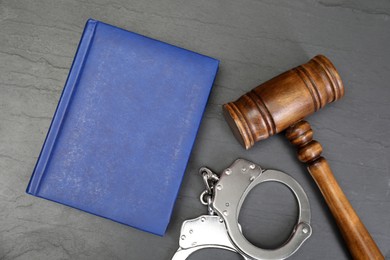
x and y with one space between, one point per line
123 131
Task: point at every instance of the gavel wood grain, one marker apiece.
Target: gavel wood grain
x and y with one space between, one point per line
281 104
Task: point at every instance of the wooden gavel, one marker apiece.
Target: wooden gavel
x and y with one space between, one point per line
281 104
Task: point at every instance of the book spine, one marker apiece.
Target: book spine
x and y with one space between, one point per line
55 126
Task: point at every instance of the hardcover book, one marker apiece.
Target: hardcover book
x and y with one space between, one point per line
122 133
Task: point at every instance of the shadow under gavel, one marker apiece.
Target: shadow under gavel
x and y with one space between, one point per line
281 104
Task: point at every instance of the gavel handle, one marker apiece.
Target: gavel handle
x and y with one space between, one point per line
359 241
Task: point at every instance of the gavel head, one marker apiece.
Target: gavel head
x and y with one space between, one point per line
284 100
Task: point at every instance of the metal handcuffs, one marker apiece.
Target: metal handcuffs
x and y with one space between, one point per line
224 196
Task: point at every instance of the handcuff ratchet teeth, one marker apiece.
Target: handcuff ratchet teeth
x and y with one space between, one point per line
224 196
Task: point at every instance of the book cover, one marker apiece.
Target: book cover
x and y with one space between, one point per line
122 133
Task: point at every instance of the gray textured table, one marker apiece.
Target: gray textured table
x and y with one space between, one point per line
255 40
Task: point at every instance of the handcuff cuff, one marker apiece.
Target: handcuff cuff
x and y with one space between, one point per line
224 197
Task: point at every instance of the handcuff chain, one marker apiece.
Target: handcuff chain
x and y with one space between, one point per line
209 179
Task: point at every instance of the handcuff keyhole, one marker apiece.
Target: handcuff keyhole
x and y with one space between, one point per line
214 253
268 215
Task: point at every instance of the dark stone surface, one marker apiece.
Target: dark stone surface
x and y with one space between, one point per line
254 40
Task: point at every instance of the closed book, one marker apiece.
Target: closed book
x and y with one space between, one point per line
124 127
